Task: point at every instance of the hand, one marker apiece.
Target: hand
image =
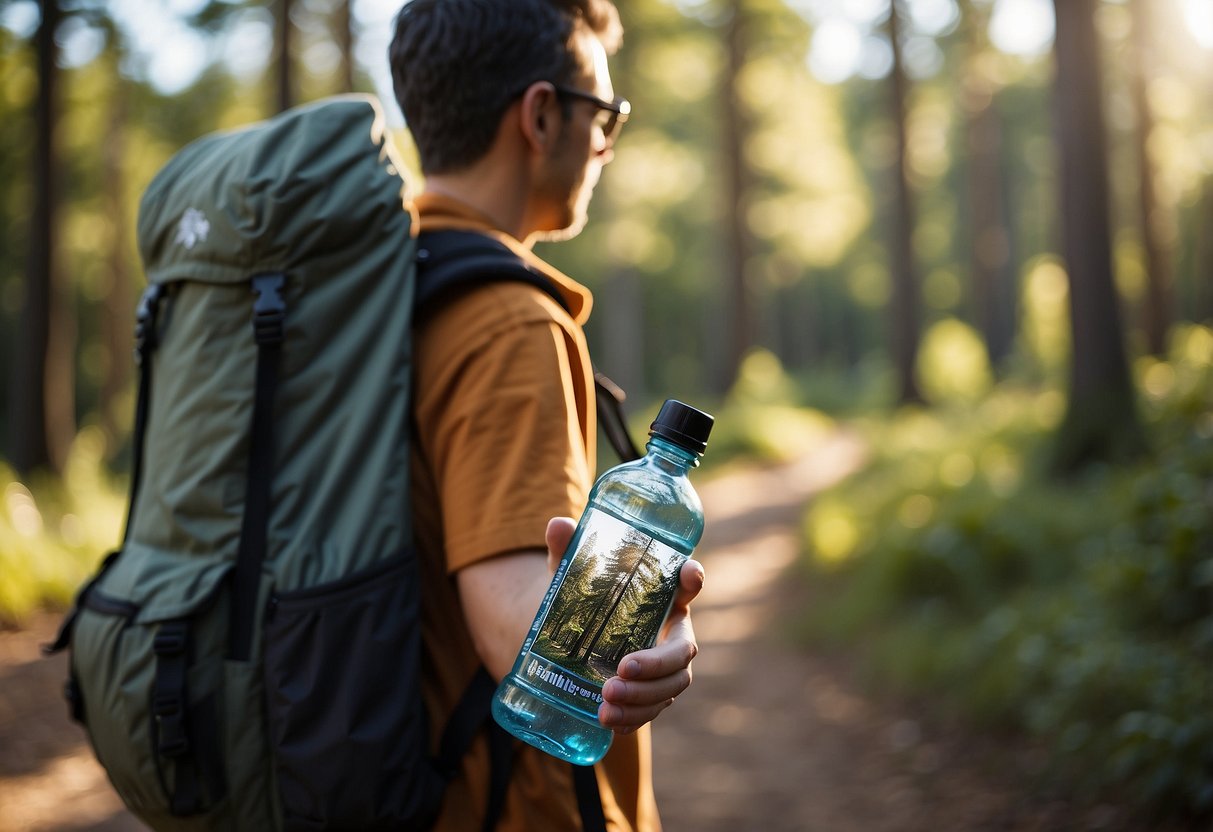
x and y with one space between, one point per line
647 680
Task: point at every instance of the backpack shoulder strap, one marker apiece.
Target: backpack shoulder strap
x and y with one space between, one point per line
452 259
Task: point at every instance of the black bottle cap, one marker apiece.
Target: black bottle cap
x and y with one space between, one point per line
683 425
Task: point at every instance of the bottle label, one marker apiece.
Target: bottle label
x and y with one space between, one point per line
611 601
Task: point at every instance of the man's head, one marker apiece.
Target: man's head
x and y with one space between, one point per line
458 65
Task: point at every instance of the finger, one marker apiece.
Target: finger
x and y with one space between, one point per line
671 656
690 581
645 694
558 535
625 720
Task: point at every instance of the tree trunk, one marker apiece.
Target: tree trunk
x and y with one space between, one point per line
1158 311
344 31
992 296
1203 256
283 36
618 599
739 243
1101 419
30 440
117 325
623 347
904 304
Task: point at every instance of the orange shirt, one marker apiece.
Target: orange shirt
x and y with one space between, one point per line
504 405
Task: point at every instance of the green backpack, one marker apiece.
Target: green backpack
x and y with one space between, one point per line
250 658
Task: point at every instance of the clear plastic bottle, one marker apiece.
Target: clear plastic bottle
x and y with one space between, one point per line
611 592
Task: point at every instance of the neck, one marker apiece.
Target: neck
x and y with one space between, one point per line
483 191
499 185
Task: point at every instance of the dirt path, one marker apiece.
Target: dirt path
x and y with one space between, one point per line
49 780
772 739
768 739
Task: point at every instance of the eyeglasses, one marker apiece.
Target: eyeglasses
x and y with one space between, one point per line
611 114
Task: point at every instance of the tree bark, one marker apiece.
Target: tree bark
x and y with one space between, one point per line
118 324
1203 257
1101 419
30 439
739 243
992 297
344 29
904 302
283 37
1158 311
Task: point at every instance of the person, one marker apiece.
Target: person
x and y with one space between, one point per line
512 110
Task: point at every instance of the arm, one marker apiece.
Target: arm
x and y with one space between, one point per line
500 596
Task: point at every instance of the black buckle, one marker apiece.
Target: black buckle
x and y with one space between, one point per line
166 705
269 310
169 642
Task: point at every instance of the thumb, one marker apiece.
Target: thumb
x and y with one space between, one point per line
559 534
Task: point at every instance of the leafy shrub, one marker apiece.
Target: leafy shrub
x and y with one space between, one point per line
764 416
1078 612
53 533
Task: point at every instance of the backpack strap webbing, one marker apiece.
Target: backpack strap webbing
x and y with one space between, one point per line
589 799
464 724
269 313
453 259
146 317
608 400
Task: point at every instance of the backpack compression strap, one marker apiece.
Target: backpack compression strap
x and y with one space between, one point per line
146 318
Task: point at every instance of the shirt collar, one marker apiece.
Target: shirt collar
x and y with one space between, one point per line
439 212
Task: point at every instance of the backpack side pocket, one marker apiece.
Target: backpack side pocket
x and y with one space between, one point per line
150 709
167 715
346 719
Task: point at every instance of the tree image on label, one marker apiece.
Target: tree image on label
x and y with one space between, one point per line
611 602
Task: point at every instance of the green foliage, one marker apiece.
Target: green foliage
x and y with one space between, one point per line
764 417
53 533
1078 612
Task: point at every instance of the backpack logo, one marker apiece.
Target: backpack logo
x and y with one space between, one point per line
193 228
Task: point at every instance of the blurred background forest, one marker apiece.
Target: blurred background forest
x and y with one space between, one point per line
976 233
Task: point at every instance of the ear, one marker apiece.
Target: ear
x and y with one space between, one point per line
539 116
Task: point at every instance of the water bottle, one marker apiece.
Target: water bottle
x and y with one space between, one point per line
611 592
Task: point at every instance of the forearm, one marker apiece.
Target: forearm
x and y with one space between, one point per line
499 597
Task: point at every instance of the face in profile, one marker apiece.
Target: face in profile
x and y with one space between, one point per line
583 148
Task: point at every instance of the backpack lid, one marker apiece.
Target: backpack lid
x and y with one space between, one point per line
272 195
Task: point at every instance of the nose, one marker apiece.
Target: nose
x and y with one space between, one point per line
604 148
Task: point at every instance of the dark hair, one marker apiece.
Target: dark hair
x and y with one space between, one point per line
457 65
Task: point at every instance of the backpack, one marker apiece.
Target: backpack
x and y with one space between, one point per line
249 659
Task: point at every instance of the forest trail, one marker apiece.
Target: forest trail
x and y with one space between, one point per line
773 738
769 738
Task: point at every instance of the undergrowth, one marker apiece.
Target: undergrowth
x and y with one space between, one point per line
1078 612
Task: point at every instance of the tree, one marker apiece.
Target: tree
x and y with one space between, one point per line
631 549
1101 419
904 302
283 40
1157 313
739 247
41 418
343 33
118 320
993 311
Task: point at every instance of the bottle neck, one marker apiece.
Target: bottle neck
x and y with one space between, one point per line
673 458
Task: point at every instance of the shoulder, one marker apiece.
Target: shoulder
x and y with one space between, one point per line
474 317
